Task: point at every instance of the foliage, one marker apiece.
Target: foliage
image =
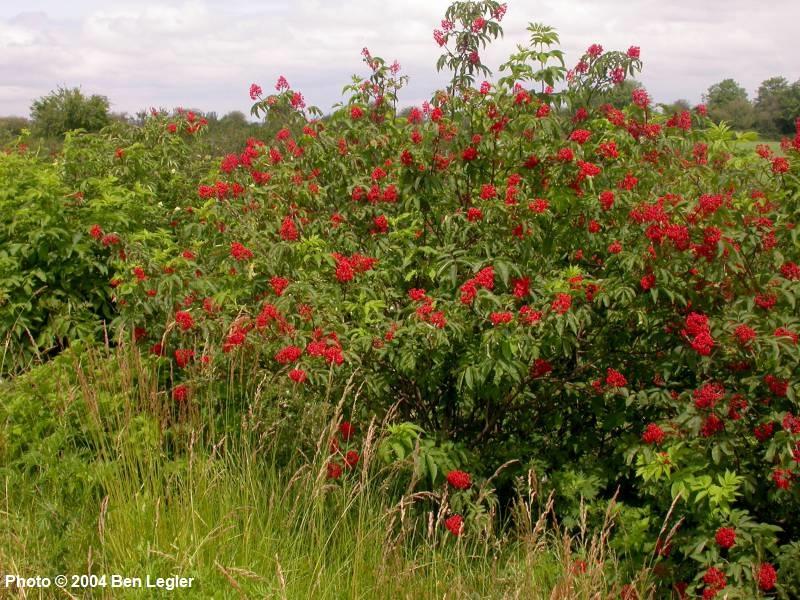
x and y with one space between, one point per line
53 279
11 128
55 257
777 105
727 101
96 483
68 109
467 28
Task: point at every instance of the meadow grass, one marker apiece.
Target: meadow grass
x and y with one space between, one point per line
92 484
750 145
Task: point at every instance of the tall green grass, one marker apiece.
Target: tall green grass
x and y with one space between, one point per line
94 481
750 145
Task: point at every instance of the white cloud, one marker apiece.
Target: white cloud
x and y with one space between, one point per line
205 54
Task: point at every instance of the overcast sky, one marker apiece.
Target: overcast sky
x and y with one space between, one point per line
205 53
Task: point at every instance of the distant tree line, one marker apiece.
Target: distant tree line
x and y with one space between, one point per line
772 113
69 109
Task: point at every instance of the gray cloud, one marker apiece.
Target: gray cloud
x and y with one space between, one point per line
205 54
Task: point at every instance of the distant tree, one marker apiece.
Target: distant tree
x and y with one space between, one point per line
235 118
620 95
122 117
141 117
679 105
11 128
724 92
777 106
405 111
792 109
66 109
727 101
769 104
229 133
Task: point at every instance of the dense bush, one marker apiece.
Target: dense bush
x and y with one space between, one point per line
67 109
607 297
11 128
54 262
53 280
